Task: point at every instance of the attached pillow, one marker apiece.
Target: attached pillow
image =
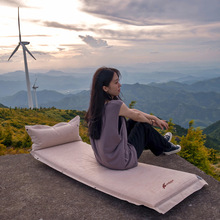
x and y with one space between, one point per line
44 136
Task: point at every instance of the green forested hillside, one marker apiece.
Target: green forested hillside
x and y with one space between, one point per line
19 99
213 135
210 85
170 101
181 106
2 106
213 130
14 139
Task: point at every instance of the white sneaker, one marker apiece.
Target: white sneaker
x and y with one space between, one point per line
173 149
168 136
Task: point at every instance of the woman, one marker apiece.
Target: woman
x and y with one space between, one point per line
118 144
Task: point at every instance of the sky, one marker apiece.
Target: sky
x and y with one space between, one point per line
70 34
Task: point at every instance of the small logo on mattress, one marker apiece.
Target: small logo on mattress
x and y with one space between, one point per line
165 184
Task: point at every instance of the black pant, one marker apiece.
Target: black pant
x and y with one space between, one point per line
144 136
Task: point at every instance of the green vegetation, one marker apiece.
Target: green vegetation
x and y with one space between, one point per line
213 135
2 106
14 139
194 151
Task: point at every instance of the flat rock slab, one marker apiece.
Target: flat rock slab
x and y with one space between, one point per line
30 189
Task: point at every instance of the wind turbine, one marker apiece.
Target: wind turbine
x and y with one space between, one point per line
23 43
35 93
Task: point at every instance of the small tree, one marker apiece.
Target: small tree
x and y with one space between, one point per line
1 134
2 149
213 156
193 148
7 140
27 141
18 144
171 126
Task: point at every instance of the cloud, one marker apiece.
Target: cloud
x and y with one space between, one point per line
13 3
41 53
62 26
133 35
72 27
154 12
29 35
122 34
171 20
91 41
167 21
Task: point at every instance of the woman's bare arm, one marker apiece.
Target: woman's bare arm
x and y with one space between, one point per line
140 116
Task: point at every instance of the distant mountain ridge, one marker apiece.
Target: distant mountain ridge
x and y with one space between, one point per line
213 135
20 98
3 106
209 85
14 82
213 130
181 106
75 82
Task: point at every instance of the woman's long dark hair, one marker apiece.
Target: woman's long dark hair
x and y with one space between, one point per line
102 77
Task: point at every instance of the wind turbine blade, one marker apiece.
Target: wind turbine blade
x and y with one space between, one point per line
19 29
29 52
35 81
14 52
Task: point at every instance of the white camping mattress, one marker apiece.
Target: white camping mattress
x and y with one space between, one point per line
152 186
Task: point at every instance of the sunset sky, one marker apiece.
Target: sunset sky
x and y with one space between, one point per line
87 33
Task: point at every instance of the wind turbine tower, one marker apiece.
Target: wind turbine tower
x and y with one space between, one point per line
23 44
35 93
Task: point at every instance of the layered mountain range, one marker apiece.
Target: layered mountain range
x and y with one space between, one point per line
182 102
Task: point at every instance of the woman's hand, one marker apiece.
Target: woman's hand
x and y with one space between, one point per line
160 123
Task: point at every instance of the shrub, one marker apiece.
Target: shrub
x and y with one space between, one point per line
7 141
194 150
